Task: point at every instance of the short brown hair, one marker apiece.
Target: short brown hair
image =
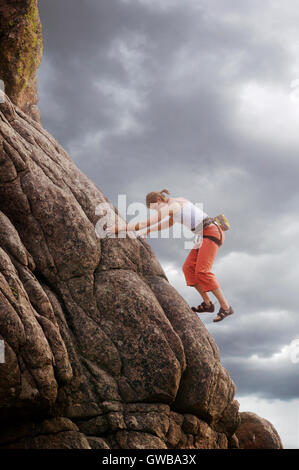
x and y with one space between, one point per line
154 195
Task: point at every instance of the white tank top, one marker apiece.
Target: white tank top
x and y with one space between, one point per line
190 215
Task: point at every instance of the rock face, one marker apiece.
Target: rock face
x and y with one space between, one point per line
94 333
255 432
20 52
100 350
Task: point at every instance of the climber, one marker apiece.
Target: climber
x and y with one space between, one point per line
198 264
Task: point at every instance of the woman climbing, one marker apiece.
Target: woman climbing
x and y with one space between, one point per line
198 264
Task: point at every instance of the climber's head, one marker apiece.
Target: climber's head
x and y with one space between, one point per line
157 199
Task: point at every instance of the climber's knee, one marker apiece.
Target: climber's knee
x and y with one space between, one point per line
207 281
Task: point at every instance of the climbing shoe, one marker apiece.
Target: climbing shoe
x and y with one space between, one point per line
203 307
223 313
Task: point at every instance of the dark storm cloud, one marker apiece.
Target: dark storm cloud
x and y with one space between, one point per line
265 380
146 97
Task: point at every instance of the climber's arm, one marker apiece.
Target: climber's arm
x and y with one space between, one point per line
160 226
166 211
154 219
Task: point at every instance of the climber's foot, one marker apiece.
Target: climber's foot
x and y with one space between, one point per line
223 313
203 307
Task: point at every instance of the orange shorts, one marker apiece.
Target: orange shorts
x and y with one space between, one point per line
197 267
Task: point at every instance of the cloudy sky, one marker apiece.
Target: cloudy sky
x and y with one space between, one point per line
202 98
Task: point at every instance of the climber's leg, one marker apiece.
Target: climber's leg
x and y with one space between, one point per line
203 266
189 268
220 297
208 281
204 295
197 269
192 279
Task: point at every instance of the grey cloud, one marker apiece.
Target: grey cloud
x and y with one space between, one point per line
266 380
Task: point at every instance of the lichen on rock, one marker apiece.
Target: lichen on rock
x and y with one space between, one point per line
21 52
